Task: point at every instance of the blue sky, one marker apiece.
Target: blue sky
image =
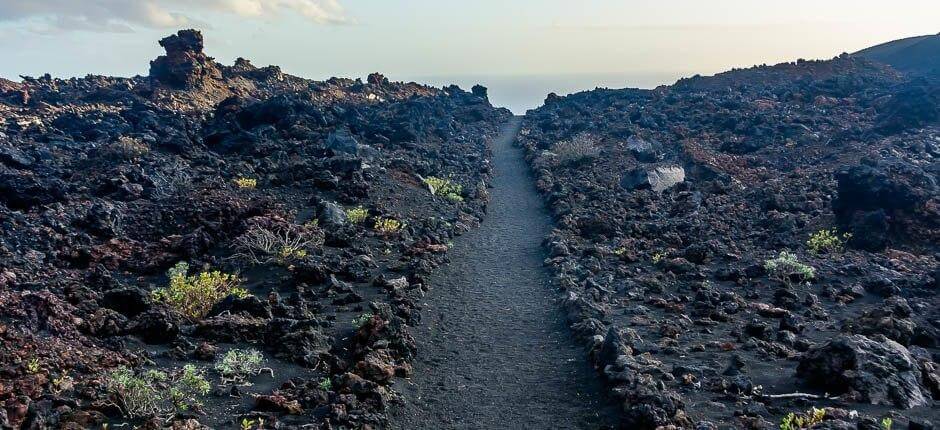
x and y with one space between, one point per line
436 40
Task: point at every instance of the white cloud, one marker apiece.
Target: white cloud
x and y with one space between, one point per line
126 15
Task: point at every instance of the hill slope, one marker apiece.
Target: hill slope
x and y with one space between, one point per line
920 55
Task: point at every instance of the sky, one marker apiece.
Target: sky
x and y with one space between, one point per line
521 49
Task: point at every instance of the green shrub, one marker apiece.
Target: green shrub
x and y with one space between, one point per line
445 188
188 388
361 320
388 226
246 183
357 215
804 421
786 267
239 365
153 393
826 241
194 296
326 384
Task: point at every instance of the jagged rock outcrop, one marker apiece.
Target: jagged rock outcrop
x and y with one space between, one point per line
184 66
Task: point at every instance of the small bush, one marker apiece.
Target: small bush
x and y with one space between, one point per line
194 296
326 384
126 148
361 320
445 188
804 421
582 147
246 183
239 365
388 225
261 245
32 366
357 215
886 423
171 180
188 388
826 241
153 393
786 267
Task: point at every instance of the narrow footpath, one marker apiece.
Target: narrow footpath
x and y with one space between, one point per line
494 350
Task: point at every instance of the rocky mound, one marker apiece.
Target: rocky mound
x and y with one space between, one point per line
737 248
300 213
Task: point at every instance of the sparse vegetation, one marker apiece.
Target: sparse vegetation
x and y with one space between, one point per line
658 257
803 421
326 384
578 149
786 268
32 366
357 215
246 183
886 423
138 396
361 320
260 245
240 365
445 188
188 388
388 226
171 180
194 296
827 241
126 148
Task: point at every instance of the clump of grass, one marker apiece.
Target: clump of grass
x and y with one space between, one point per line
445 188
578 149
239 365
803 421
388 226
361 320
357 215
246 183
785 267
827 241
260 245
193 296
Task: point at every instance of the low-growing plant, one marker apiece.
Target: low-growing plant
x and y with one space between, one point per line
32 366
239 365
785 267
357 215
826 241
388 225
578 149
138 396
127 148
326 384
802 421
249 424
886 423
658 257
361 320
62 384
171 180
445 188
260 245
187 389
193 296
246 183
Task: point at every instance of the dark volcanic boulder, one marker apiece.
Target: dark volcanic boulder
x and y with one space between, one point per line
874 370
915 105
184 66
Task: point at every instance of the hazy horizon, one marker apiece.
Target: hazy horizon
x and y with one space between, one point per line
521 50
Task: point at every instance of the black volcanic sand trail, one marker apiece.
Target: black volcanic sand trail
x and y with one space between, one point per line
494 349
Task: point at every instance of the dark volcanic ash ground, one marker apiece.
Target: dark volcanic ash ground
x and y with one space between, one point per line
671 206
107 183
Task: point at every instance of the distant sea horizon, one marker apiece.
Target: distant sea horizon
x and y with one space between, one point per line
520 93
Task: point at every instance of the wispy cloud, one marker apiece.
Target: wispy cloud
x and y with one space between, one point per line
128 15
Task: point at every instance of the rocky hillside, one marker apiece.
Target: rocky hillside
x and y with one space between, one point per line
738 248
223 246
917 55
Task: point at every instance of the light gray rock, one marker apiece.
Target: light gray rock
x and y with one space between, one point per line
657 178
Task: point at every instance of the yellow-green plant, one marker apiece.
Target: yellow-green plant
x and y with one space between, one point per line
803 421
886 423
32 366
361 320
388 225
246 183
825 241
193 296
658 257
326 384
239 365
357 215
138 396
186 390
445 188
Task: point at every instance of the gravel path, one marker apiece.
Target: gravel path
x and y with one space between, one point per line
494 349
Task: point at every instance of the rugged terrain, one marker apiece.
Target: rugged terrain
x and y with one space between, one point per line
735 248
315 198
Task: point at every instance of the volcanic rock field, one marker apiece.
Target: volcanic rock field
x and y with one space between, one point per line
233 247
